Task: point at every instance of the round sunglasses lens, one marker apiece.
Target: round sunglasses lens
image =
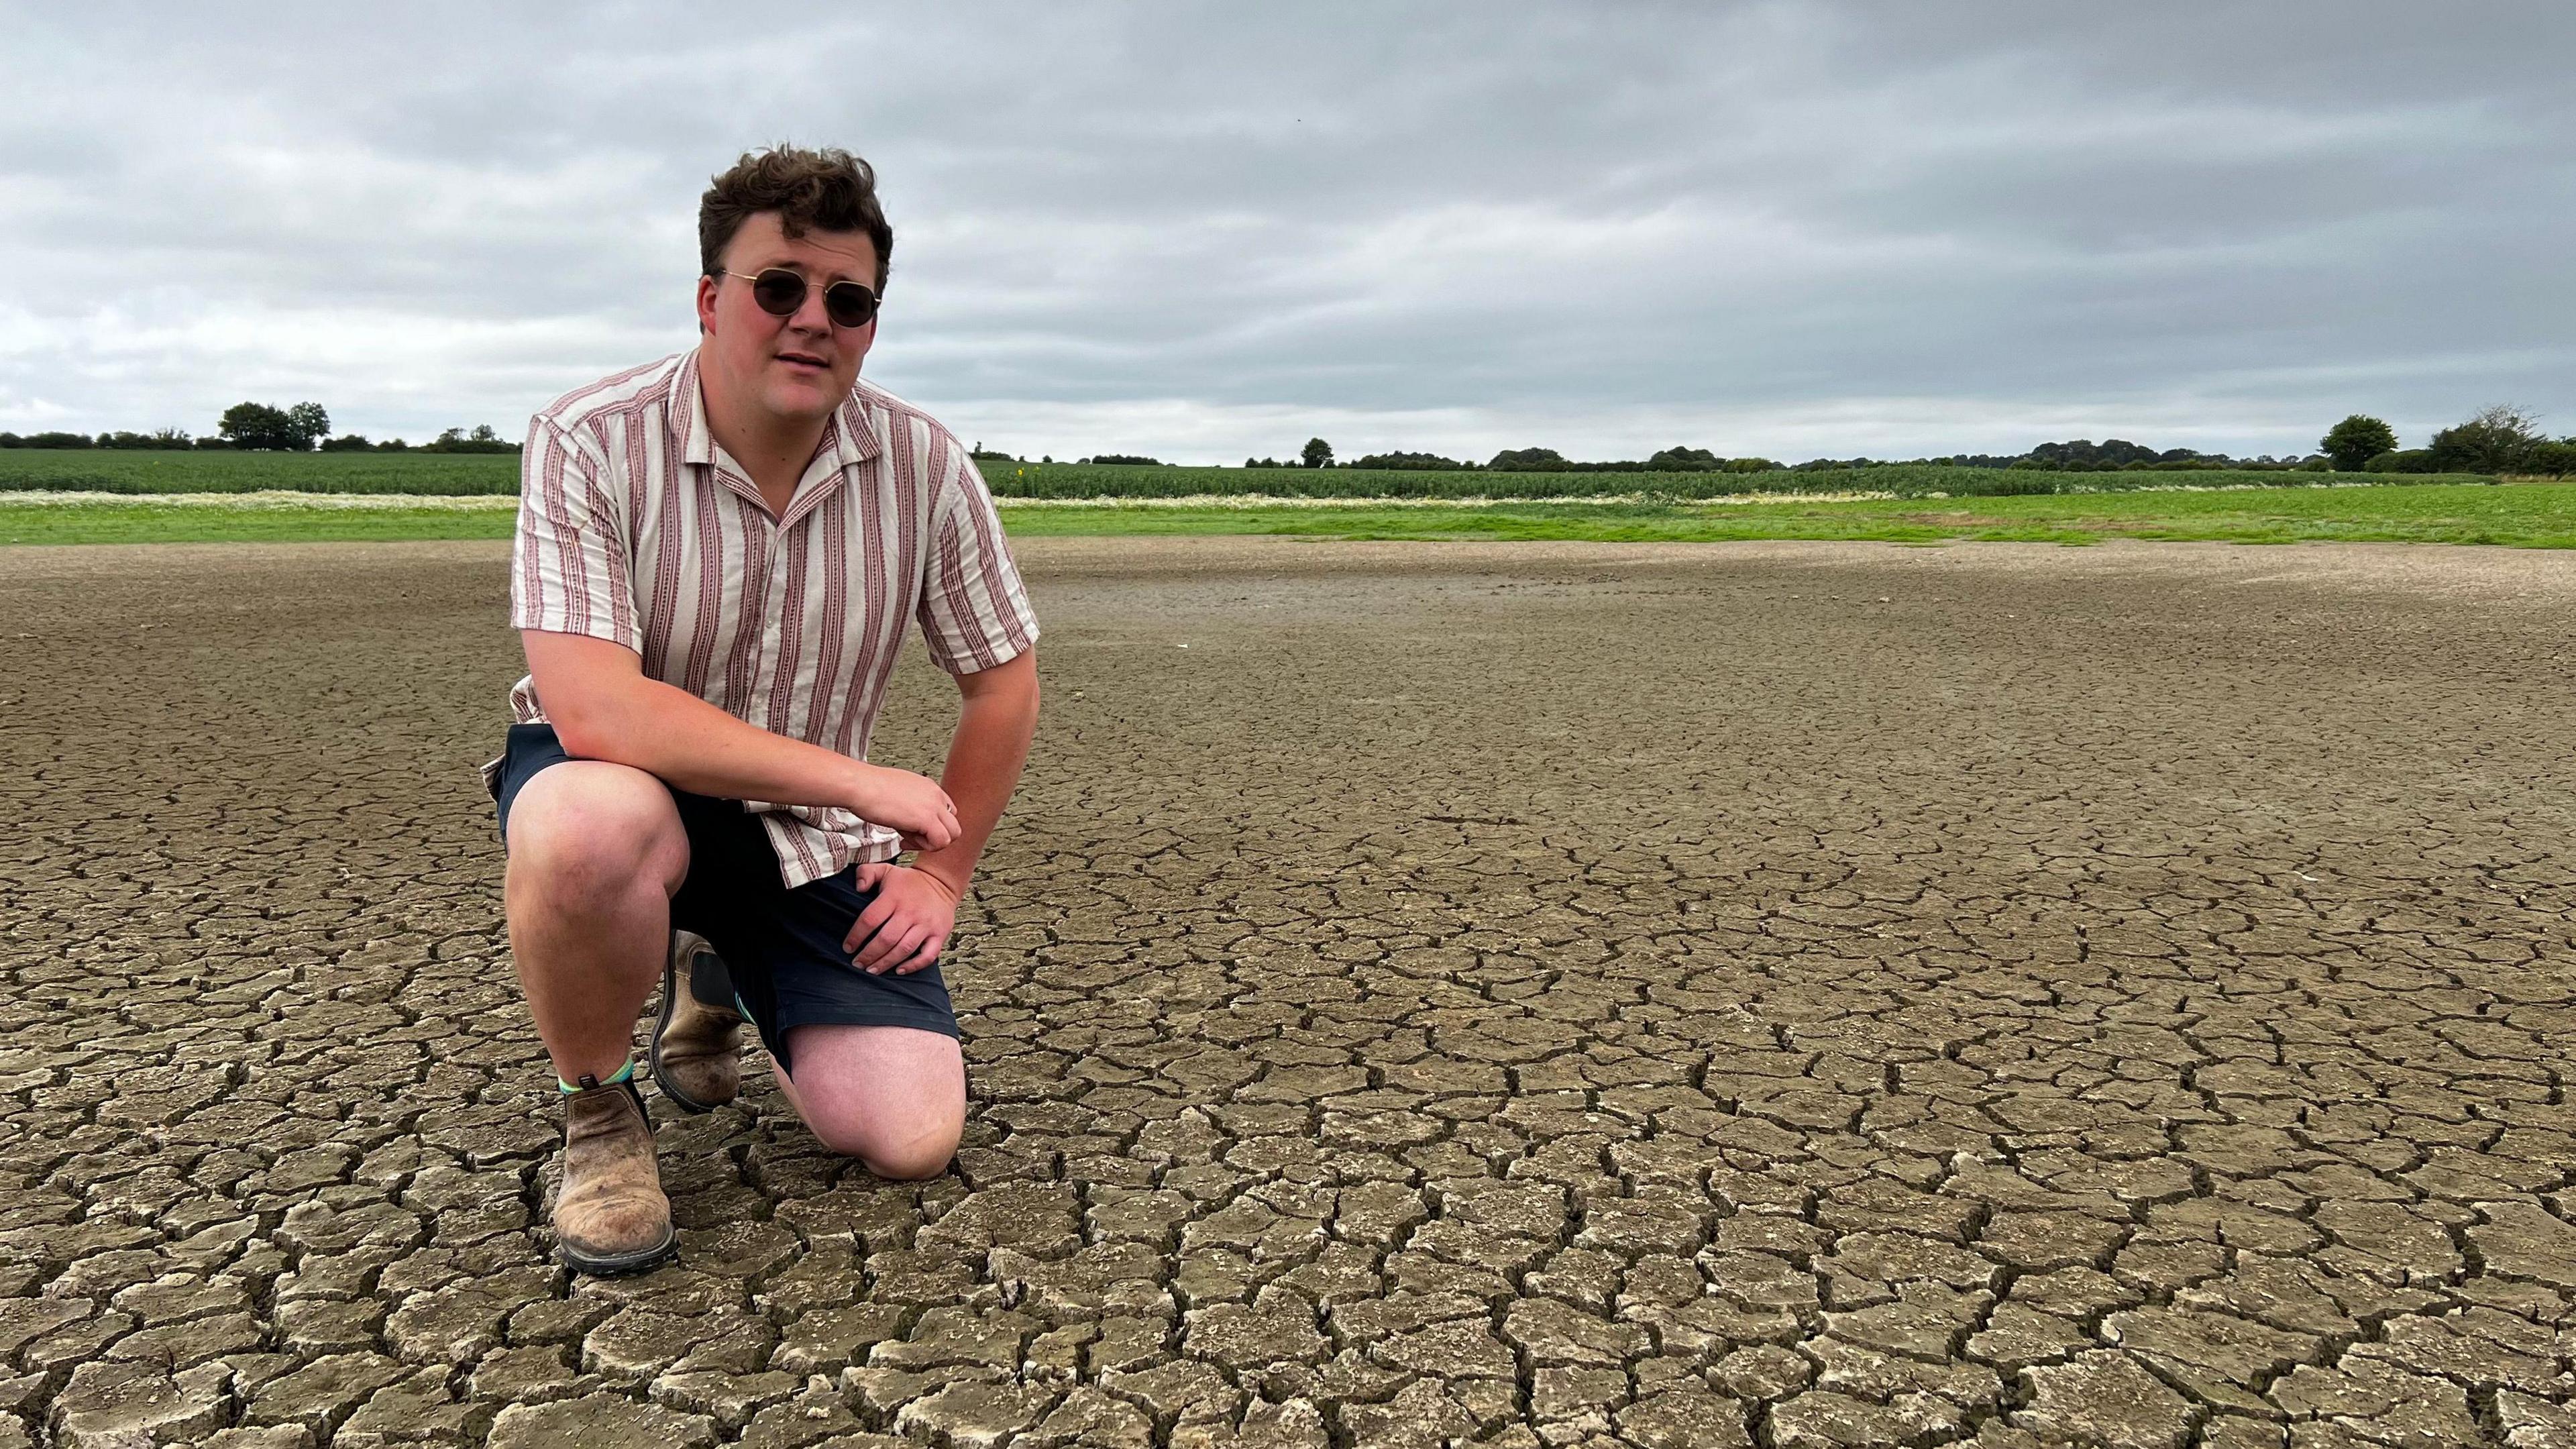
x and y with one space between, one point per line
850 304
779 293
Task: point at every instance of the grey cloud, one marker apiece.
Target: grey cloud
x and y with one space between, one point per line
1204 232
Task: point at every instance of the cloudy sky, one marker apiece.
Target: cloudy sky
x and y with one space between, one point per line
1206 231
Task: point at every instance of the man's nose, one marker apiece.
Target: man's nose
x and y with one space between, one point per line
811 316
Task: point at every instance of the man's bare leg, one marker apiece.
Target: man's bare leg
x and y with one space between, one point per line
894 1097
596 852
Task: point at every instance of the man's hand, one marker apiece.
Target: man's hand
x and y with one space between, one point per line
903 929
914 805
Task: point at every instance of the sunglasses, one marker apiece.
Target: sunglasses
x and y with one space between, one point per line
781 292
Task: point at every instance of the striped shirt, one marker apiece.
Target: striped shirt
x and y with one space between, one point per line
637 528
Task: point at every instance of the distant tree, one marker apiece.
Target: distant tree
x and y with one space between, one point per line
58 440
1528 460
2495 441
309 423
348 443
481 440
1410 462
2083 455
2553 460
257 425
1128 459
1684 460
1317 453
2356 440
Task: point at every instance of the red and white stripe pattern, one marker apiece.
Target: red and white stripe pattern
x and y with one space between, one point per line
635 527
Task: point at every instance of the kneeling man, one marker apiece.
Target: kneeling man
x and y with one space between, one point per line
716 557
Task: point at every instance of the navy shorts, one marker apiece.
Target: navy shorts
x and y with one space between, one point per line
782 947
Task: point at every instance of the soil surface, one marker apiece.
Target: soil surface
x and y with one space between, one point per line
1793 995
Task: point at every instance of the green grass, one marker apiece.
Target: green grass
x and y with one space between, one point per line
2526 516
140 522
2523 516
106 471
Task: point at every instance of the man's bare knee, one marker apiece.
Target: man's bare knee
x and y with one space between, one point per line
893 1098
895 1140
919 1168
584 834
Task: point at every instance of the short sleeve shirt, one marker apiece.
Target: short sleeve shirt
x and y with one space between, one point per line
637 528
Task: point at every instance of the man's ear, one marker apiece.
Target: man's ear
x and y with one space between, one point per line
706 304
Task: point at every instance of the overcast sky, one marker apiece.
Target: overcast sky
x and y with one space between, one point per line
1206 231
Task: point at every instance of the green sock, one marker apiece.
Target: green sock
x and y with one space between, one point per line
623 1073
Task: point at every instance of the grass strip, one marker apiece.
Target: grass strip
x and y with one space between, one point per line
2540 515
164 522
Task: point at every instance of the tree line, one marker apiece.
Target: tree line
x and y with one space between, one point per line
2498 440
258 427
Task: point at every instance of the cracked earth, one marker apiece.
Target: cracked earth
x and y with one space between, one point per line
1793 995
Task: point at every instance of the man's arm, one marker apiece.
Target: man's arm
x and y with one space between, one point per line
603 708
908 923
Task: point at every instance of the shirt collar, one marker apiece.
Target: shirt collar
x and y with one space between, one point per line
851 435
697 444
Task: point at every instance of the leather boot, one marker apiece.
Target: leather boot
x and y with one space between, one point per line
697 1047
610 1214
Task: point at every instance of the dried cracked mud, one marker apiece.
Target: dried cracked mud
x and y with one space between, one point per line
1790 995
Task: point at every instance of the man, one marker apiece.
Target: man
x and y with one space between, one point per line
716 556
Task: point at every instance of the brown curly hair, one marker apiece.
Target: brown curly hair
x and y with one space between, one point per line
825 190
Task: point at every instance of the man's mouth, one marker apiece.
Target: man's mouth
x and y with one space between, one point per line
805 359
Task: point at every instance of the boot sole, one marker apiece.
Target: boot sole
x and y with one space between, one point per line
619 1265
662 1023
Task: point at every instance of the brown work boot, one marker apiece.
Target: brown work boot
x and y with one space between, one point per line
610 1214
697 1048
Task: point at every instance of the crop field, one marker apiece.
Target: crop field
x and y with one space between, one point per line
1062 481
449 474
2521 515
115 471
1795 994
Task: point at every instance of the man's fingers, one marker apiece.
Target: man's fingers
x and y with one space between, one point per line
900 947
928 953
871 922
888 937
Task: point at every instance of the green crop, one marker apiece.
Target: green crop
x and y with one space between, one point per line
466 473
109 471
